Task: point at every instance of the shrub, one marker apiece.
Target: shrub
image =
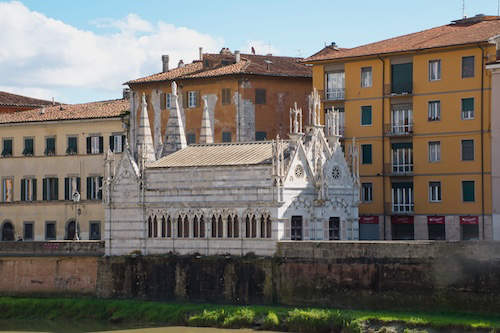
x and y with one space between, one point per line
271 321
314 320
243 317
213 318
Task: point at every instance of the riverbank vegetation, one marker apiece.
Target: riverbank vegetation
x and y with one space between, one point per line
229 316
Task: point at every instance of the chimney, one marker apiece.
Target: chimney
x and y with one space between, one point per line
54 103
200 49
237 55
180 64
126 93
164 60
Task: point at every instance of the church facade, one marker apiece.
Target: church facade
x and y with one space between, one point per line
231 198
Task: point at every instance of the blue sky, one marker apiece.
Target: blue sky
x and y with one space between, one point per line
81 51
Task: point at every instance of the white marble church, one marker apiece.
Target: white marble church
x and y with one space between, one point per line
231 198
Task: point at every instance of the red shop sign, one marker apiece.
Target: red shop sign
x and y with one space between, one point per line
402 219
435 219
368 219
469 220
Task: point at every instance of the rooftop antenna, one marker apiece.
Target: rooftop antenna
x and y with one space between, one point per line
463 8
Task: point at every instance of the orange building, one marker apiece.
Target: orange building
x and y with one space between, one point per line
11 102
248 96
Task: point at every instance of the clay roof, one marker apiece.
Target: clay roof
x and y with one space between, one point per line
214 65
93 110
9 99
218 154
476 29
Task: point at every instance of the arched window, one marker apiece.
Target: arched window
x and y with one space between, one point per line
195 227
247 227
269 227
202 227
7 232
163 227
155 227
150 227
179 227
186 227
262 227
229 227
214 227
70 233
236 227
220 227
169 227
254 227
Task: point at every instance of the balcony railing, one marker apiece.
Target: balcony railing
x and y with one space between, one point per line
335 94
398 129
400 208
400 169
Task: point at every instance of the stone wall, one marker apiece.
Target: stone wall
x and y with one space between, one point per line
52 248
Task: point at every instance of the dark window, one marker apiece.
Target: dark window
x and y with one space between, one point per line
366 115
69 184
214 227
402 78
191 138
296 228
467 66
247 227
403 231
467 108
28 147
229 227
95 231
72 145
366 192
50 188
470 231
468 191
150 228
50 230
186 227
236 227
71 232
260 136
226 136
366 154
202 227
334 228
226 96
220 228
195 227
117 143
50 146
28 231
28 189
179 227
260 96
467 150
7 148
254 227
95 145
163 100
437 231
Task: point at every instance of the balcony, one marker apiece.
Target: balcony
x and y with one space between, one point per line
399 208
335 94
399 129
401 169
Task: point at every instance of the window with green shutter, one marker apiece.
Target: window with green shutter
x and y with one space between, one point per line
467 108
366 154
467 150
402 78
366 115
468 191
28 147
7 148
50 146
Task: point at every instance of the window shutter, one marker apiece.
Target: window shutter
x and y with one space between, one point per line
88 145
23 190
34 189
99 193
163 100
78 181
467 104
44 189
101 144
185 100
123 143
66 189
468 191
198 97
56 189
112 142
366 154
89 190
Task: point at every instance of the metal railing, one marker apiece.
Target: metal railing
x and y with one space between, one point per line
399 129
399 208
399 169
335 94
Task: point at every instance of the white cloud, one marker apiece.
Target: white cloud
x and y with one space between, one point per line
41 54
261 47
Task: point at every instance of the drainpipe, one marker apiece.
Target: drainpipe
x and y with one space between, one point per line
482 137
383 137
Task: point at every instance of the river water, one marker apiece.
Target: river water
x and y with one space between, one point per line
37 326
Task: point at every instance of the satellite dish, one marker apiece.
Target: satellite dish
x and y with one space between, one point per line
76 197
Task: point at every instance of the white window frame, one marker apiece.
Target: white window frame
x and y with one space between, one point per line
435 192
335 85
434 110
467 115
435 70
367 79
367 192
192 99
402 200
434 149
117 143
94 145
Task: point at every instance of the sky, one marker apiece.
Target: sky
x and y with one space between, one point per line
81 51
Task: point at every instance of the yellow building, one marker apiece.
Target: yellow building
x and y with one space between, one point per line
419 107
51 168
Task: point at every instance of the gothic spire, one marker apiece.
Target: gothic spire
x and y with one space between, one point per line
144 139
206 125
175 137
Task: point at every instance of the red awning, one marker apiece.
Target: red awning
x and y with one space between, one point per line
435 219
469 220
368 219
403 219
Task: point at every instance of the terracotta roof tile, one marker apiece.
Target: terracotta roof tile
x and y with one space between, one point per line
468 31
224 64
18 100
104 109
